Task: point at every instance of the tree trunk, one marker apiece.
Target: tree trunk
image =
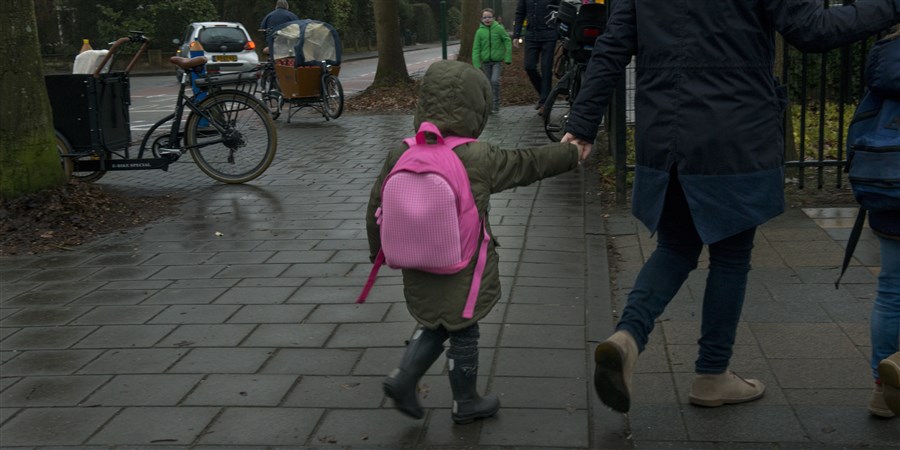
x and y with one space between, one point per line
470 16
27 143
391 68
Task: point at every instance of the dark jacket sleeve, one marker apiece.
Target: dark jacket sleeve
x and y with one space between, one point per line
612 52
520 17
805 24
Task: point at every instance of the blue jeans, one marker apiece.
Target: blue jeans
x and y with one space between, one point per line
885 322
677 251
492 70
543 80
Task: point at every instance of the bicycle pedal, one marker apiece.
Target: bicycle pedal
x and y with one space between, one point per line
168 151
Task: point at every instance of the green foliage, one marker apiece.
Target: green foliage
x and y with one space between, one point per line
426 26
454 18
832 147
840 64
161 20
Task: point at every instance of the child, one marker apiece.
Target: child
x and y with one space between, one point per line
491 49
456 97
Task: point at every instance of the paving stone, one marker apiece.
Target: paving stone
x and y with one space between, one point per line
536 427
252 270
550 393
313 361
124 336
43 316
206 336
348 313
155 425
255 314
46 338
53 426
658 421
270 426
188 272
241 390
540 362
222 360
847 425
543 336
787 340
40 298
381 361
749 423
118 315
133 361
195 314
289 335
144 390
34 392
823 373
545 314
256 295
365 335
114 297
184 296
124 273
337 392
47 362
367 428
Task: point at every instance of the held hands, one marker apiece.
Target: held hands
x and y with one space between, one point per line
584 147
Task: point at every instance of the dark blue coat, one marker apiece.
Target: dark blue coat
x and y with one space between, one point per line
536 12
707 102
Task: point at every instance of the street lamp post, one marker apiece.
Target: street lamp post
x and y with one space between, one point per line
443 20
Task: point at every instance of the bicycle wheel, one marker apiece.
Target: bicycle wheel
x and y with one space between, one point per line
245 146
556 113
332 96
68 162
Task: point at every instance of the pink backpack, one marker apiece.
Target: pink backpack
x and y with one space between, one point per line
428 219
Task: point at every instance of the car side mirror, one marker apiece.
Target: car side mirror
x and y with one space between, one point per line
176 41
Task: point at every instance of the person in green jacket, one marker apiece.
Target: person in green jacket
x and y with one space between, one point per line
491 49
456 98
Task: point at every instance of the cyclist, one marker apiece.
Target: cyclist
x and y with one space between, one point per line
281 14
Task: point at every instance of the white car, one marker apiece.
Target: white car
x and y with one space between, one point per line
227 45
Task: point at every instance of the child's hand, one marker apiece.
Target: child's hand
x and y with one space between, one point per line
584 147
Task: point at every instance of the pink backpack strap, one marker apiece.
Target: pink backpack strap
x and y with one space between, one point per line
379 261
469 309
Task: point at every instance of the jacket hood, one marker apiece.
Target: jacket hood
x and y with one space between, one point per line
456 97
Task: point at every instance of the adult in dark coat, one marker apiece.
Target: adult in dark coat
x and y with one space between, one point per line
709 163
540 43
281 14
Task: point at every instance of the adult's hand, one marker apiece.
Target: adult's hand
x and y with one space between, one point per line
584 147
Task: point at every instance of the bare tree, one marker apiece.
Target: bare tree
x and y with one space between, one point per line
28 155
391 63
470 15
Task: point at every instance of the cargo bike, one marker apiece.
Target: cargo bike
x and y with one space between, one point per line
303 68
227 130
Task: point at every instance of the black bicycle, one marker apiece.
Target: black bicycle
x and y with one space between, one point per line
578 27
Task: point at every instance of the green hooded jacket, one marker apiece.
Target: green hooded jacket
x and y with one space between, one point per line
457 98
492 44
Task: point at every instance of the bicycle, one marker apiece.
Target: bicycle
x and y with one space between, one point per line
267 84
228 132
578 27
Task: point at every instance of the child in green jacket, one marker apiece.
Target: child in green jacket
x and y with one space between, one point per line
492 48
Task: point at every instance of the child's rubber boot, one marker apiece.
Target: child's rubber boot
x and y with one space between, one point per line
401 384
468 406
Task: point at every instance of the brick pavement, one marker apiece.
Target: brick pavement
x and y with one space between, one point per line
233 324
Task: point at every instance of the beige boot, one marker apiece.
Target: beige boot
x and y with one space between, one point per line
877 406
889 373
614 361
724 389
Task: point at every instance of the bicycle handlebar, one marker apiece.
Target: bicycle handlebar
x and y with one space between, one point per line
133 37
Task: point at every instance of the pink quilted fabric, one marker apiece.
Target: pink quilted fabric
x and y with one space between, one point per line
423 230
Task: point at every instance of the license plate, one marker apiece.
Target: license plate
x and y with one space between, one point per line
224 58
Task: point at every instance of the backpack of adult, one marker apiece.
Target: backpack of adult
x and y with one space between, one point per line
428 220
873 141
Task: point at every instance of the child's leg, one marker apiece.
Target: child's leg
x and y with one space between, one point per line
423 349
463 364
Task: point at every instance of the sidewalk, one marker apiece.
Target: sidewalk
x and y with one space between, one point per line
232 325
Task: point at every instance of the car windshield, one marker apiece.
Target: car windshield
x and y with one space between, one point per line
214 38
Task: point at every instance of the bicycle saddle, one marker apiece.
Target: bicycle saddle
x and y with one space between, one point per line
188 63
